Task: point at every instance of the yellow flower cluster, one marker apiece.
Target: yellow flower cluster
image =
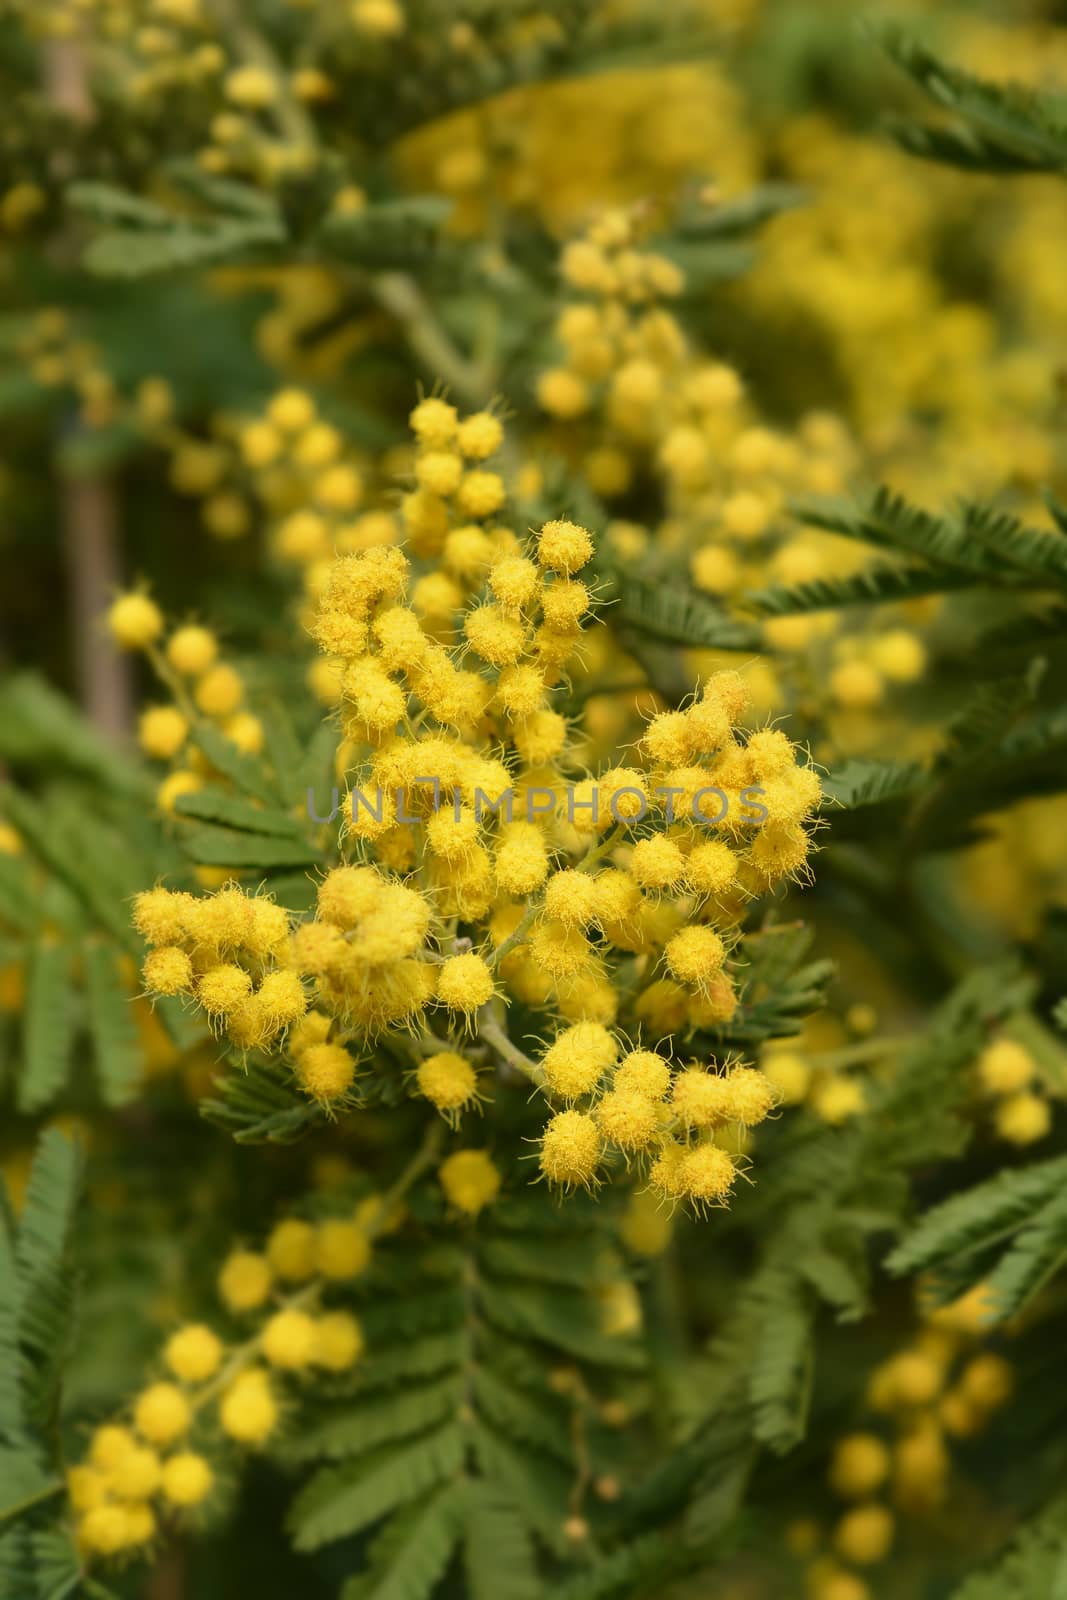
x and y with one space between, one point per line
639 402
834 1096
942 1386
641 1109
1006 1073
202 686
160 1464
288 466
481 864
230 951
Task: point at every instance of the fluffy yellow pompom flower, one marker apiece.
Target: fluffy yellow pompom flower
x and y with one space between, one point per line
657 863
695 955
342 1249
1023 1118
711 867
110 1444
193 1353
161 731
291 410
248 1411
107 1529
481 494
222 988
219 691
338 1341
749 1096
168 971
290 1250
379 19
161 1413
447 1080
134 621
577 1059
480 435
571 898
899 655
857 685
665 1173
281 998
910 1378
789 1074
864 1535
494 635
565 604
86 1487
347 894
838 1098
860 1465
1005 1067
571 1148
192 650
136 1476
173 787
434 423
564 547
643 1072
245 1280
470 1181
251 88
439 472
288 1340
159 915
628 1118
559 951
562 393
701 1099
987 1381
465 983
707 1173
521 859
187 1479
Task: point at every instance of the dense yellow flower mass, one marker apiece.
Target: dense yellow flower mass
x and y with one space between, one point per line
555 460
482 865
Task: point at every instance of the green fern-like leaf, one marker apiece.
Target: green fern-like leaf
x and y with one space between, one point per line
388 233
366 1426
409 1558
339 1501
877 585
131 253
998 127
969 1223
498 1554
782 1363
667 612
859 784
1035 1564
116 1046
48 1027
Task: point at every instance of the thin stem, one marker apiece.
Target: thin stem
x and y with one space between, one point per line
516 937
399 294
493 1032
596 853
173 684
